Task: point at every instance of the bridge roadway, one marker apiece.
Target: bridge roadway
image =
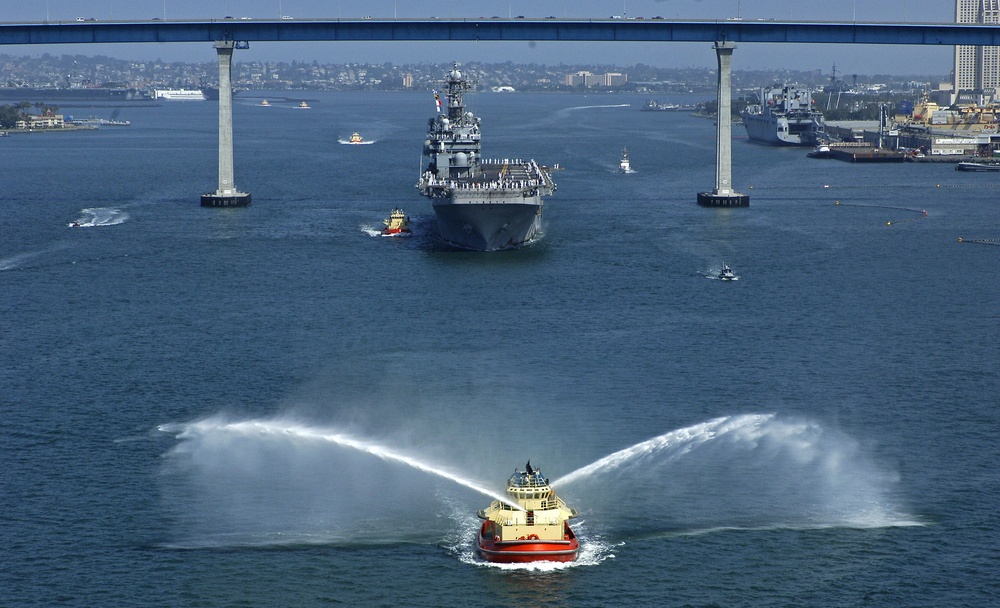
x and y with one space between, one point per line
229 34
492 29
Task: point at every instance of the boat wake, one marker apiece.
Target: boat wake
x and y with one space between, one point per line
13 262
99 216
376 232
356 143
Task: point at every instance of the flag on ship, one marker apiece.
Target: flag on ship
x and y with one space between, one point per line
437 101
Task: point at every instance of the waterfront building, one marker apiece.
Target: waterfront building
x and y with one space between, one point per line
977 68
47 120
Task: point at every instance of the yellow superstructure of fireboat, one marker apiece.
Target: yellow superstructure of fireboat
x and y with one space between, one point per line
532 526
356 138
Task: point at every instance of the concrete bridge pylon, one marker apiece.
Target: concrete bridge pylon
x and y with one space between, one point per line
723 195
227 195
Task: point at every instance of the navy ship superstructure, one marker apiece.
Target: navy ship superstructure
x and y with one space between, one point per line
785 116
480 204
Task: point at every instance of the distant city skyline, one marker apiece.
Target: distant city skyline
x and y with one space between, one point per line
857 59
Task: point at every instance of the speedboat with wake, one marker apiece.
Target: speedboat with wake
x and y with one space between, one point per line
532 526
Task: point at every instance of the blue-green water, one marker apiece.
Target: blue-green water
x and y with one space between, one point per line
197 403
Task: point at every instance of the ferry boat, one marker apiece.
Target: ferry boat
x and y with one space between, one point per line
396 223
356 138
654 106
625 166
784 116
727 274
93 121
532 526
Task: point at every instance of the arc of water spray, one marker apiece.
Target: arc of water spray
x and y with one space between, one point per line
276 428
691 436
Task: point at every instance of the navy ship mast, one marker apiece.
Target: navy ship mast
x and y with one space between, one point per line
453 138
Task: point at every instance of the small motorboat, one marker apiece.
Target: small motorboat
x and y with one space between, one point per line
625 166
303 106
356 138
531 526
727 274
822 150
396 223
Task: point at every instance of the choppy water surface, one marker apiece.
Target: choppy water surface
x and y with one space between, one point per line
267 406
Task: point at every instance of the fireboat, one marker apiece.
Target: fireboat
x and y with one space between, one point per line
532 526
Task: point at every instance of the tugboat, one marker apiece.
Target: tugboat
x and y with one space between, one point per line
303 106
396 223
625 166
356 138
727 274
533 526
265 103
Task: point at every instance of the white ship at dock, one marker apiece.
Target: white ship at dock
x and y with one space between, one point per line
784 116
480 204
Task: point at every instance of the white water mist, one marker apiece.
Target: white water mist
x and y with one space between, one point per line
284 481
750 470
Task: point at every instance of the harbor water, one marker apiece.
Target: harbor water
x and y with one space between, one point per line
277 406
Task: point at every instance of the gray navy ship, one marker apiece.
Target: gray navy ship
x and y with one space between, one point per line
785 116
480 204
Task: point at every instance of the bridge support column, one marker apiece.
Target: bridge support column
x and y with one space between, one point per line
724 195
227 195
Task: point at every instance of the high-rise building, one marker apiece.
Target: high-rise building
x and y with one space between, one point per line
977 68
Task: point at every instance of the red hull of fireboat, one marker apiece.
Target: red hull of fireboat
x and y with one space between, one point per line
528 549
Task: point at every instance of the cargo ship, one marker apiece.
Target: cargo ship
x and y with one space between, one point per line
532 526
784 116
480 204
